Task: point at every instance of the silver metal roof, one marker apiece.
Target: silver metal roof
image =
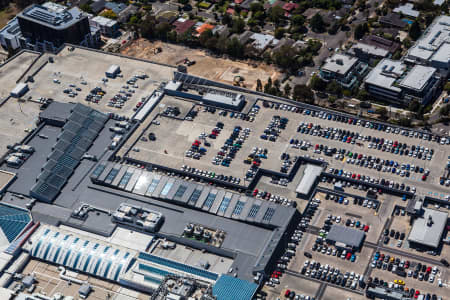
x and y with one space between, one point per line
428 234
346 235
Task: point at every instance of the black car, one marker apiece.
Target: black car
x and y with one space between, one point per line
445 263
386 232
386 240
307 254
397 235
392 233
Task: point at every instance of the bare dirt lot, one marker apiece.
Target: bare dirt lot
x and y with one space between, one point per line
206 66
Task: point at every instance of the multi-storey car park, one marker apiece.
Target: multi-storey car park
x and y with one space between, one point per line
173 185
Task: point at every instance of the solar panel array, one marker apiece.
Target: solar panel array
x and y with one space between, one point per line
194 195
79 132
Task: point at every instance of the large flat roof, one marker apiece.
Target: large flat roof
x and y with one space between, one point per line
385 74
339 63
432 39
418 77
52 15
346 235
429 234
370 49
443 54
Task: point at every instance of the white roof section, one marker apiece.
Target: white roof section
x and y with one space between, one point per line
339 63
80 252
418 77
438 2
408 10
429 234
261 41
309 177
102 21
19 89
370 49
385 74
442 55
437 34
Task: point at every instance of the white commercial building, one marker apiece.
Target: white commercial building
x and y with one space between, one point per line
433 47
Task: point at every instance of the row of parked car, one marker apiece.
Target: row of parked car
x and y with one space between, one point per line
332 274
363 178
404 268
399 285
357 122
274 128
356 201
210 174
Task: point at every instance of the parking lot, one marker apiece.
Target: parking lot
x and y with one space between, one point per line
72 72
183 133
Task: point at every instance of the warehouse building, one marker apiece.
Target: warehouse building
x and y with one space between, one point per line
346 237
427 229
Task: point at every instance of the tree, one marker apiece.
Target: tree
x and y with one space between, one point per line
276 14
147 27
382 112
334 88
317 83
162 30
447 87
298 20
226 19
445 110
268 85
414 31
287 90
86 7
259 85
238 25
285 58
279 33
204 37
256 6
235 48
414 105
317 23
303 93
109 14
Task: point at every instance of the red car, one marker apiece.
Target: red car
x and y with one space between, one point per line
348 256
424 177
366 228
428 270
358 177
353 176
255 192
286 294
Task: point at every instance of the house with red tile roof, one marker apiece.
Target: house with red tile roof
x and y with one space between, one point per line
182 25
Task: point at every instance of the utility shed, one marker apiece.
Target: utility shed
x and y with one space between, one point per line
112 71
345 237
427 230
235 102
20 90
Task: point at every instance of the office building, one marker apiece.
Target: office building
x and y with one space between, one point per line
47 27
433 47
346 70
394 82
